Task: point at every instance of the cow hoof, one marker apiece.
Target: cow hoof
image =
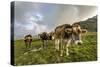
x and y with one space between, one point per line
67 54
61 55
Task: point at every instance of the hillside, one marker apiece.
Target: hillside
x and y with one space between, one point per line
90 24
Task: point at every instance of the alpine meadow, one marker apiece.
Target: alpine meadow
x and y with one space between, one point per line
49 33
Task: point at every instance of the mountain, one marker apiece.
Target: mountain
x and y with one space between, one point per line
90 24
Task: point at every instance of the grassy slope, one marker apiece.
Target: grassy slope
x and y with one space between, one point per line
85 52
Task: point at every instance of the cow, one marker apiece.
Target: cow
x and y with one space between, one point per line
28 40
65 35
44 36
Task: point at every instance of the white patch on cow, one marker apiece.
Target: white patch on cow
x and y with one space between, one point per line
67 51
53 37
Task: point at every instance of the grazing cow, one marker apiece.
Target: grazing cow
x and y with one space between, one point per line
28 40
44 38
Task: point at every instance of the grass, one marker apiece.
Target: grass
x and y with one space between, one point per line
78 53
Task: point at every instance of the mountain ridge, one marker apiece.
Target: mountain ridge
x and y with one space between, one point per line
90 24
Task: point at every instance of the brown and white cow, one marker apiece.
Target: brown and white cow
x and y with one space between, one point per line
65 35
28 40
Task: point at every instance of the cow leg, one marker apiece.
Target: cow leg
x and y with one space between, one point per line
61 47
46 44
57 41
67 46
29 44
55 44
26 44
67 51
43 44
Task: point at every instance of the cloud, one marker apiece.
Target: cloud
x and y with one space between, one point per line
33 18
30 26
32 22
74 13
68 14
37 28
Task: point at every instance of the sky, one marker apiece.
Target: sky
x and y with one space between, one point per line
34 18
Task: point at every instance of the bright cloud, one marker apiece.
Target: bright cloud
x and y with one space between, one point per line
30 26
37 28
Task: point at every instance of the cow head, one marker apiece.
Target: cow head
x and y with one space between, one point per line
76 36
